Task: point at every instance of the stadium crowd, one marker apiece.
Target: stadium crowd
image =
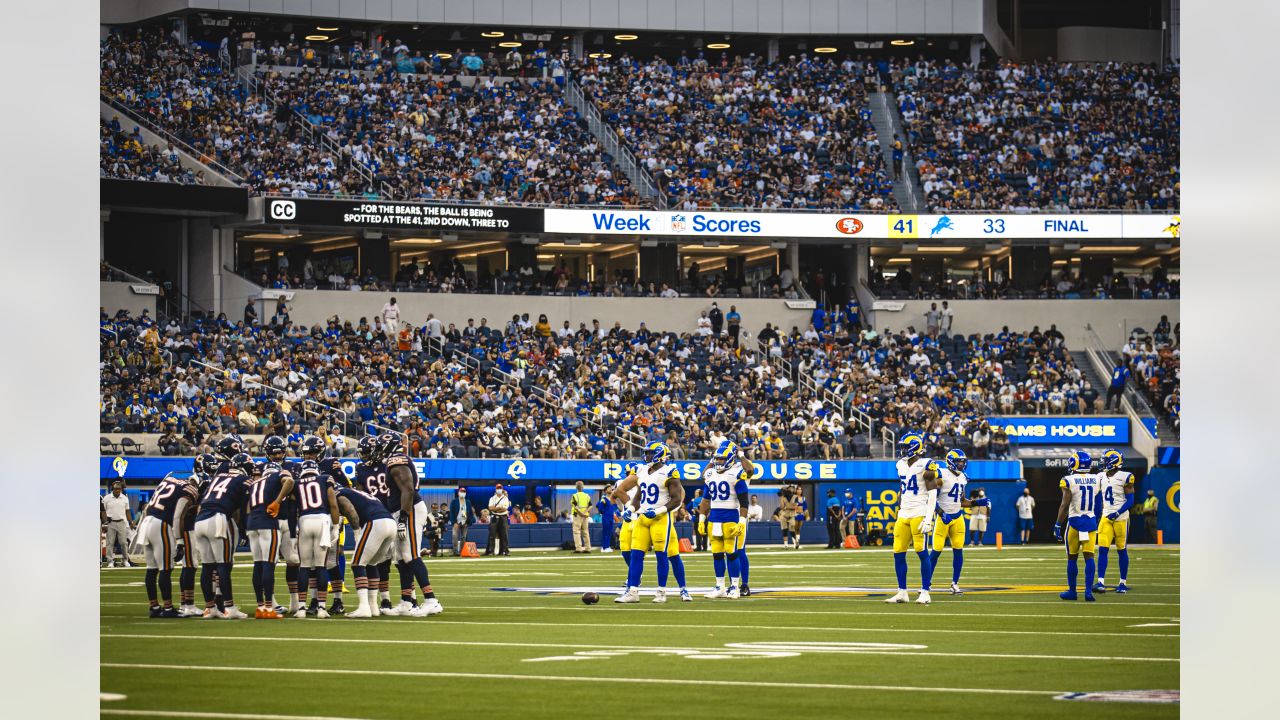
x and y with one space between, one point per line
523 388
747 133
1064 284
1154 361
125 155
1054 137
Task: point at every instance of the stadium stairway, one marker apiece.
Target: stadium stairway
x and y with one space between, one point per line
1095 378
886 121
640 178
188 157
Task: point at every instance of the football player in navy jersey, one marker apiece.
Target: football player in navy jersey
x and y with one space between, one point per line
287 519
228 447
335 560
317 501
157 537
411 515
376 540
184 516
222 500
371 477
272 486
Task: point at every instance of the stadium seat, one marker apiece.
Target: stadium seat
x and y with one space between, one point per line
129 447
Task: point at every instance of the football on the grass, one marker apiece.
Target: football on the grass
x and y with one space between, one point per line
590 598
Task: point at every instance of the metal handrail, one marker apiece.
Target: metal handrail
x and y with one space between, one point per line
608 136
1132 394
195 154
888 441
254 384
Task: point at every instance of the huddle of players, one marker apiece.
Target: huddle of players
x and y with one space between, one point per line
652 491
291 511
932 502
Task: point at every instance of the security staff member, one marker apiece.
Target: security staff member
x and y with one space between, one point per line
581 520
499 507
849 516
604 506
1150 513
119 520
835 513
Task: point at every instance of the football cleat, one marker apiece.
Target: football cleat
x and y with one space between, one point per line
212 614
321 612
632 595
405 608
1069 595
375 611
1121 589
188 611
717 593
923 598
899 597
733 593
428 607
337 608
154 612
1099 587
361 612
1088 596
685 596
745 591
269 614
258 614
301 614
660 596
169 612
233 613
955 589
388 611
280 610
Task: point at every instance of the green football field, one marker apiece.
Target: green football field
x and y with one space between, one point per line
816 639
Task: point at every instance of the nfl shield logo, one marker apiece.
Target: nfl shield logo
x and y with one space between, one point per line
678 223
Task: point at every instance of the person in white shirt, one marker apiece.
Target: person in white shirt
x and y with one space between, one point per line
119 518
499 507
391 318
755 511
1026 505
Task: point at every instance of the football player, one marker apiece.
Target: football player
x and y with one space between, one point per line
334 559
371 477
722 515
273 485
1113 527
917 499
214 534
950 522
628 513
184 517
375 539
1081 500
659 494
317 523
157 538
228 447
406 504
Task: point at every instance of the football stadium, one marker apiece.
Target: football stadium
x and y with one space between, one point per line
841 338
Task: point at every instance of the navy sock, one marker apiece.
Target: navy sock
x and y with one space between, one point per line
1088 574
664 567
406 582
257 581
1073 572
900 568
926 569
677 569
957 564
1102 562
166 587
304 584
746 566
717 562
224 583
187 580
419 569
206 582
291 578
626 557
735 568
340 572
268 581
150 580
1124 563
636 570
322 583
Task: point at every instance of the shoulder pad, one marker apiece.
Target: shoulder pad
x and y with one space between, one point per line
398 459
674 473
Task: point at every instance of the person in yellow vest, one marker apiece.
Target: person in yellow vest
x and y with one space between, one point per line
1150 513
581 520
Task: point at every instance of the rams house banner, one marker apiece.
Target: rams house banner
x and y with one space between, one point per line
1064 429
592 471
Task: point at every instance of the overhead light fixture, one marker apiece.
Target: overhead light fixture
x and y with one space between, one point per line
717 46
902 43
1110 248
625 36
318 38
600 55
444 56
824 50
510 44
492 33
326 29
941 249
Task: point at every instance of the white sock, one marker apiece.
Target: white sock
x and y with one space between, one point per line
363 594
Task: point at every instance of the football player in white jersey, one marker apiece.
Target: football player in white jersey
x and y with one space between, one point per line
660 493
917 501
1081 500
628 514
1113 526
951 504
722 515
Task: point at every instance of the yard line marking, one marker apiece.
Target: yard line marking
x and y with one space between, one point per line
739 611
576 646
578 678
227 716
949 631
1172 624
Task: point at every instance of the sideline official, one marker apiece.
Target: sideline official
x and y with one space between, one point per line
499 507
581 520
119 519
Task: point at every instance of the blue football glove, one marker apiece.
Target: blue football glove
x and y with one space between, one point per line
982 502
1113 516
1057 531
651 513
628 515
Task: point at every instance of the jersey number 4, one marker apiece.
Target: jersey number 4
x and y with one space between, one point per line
909 483
954 494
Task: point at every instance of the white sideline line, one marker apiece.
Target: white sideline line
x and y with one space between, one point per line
935 631
573 646
582 679
226 716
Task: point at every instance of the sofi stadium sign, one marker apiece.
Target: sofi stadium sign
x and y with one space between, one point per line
1064 430
833 225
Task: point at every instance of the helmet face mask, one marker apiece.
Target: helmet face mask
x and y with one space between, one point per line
658 452
244 463
230 446
205 464
275 448
370 450
911 445
312 447
725 455
957 461
1112 460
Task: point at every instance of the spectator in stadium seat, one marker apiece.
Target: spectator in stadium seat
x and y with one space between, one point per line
250 313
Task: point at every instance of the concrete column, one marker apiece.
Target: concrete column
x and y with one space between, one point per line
772 49
576 45
103 217
793 259
975 51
